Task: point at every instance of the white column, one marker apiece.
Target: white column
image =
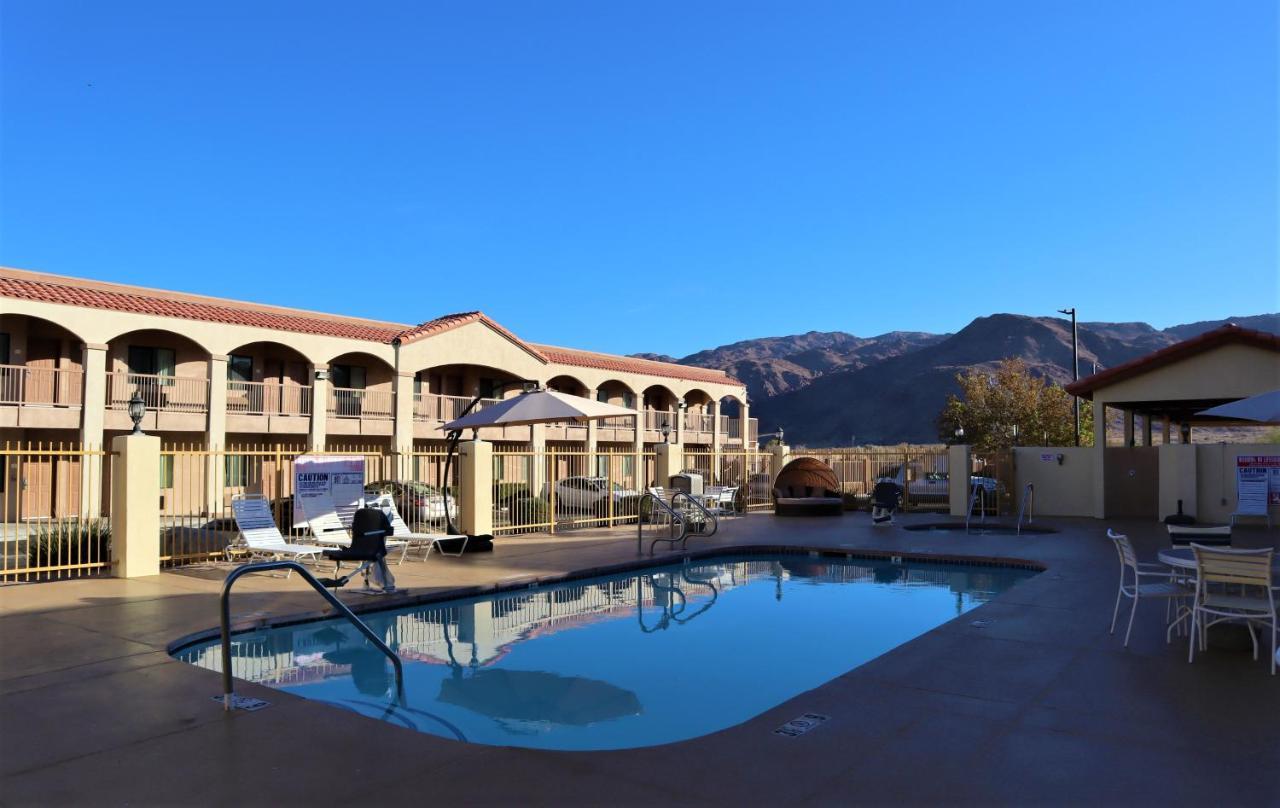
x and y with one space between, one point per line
669 460
92 415
715 441
593 437
215 438
475 487
135 506
958 464
743 412
403 385
319 409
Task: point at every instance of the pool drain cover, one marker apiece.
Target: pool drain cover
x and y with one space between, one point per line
245 703
799 726
980 623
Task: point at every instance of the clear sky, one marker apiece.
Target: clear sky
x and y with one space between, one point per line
660 176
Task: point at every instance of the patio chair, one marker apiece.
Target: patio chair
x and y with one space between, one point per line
1149 581
886 498
327 528
1252 500
727 501
368 546
259 534
1233 586
432 541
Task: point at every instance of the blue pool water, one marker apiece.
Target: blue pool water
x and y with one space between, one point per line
628 660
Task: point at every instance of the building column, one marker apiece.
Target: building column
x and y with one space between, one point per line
403 437
669 460
959 465
539 472
215 437
637 444
1099 458
1164 430
593 437
1128 427
781 453
319 408
1146 429
93 411
743 412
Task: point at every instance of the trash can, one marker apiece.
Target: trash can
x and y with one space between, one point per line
689 482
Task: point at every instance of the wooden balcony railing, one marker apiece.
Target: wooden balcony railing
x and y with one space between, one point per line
654 419
374 405
440 408
45 387
162 393
268 398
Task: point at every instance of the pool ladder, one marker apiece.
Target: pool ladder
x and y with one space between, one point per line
1027 506
228 693
683 510
977 496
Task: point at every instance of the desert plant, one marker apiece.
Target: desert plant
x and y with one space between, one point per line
69 541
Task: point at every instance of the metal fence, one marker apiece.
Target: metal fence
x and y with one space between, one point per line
558 490
921 472
54 503
750 472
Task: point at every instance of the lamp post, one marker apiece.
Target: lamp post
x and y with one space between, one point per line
137 409
1075 365
1014 432
665 430
959 434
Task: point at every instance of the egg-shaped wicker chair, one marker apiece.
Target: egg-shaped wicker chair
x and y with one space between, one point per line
807 487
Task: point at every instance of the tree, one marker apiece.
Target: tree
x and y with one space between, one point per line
991 403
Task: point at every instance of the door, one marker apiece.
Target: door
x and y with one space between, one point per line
42 376
1132 481
35 487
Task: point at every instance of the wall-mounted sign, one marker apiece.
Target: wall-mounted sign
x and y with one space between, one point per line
1251 469
1048 457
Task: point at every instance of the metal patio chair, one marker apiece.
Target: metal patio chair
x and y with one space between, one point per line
1233 586
1149 581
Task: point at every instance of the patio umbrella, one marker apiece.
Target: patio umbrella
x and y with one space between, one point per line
1264 408
541 407
539 696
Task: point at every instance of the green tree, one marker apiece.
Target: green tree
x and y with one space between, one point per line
991 403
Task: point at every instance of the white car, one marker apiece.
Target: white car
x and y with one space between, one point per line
588 494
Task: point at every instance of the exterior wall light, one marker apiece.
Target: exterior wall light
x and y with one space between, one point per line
322 375
137 409
666 431
959 434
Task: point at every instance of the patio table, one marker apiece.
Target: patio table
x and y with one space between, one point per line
1185 558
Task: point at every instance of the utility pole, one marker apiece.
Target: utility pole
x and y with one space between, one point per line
1075 366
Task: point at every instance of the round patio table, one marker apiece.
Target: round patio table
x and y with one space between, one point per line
1185 558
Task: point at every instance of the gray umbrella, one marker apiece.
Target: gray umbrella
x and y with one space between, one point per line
541 407
1263 408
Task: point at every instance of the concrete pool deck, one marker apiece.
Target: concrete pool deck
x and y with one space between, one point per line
1038 705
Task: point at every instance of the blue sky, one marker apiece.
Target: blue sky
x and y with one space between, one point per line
653 176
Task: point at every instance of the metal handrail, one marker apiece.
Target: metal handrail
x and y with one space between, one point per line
715 522
977 496
227 691
674 516
1027 506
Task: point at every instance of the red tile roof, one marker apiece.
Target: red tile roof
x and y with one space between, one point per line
628 364
93 295
1223 335
26 285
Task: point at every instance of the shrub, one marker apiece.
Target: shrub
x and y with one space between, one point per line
508 494
63 541
530 510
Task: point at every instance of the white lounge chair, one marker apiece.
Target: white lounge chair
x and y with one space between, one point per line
259 535
1149 581
327 528
1252 500
401 531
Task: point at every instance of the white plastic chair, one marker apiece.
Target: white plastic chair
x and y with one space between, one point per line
259 534
727 501
1149 581
1233 586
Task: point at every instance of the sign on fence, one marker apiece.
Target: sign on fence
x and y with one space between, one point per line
1254 469
325 483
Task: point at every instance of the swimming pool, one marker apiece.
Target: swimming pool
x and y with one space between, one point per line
637 659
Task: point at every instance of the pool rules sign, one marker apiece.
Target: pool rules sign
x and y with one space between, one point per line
326 484
1253 470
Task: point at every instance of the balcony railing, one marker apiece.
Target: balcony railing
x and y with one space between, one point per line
373 405
619 422
697 422
268 398
162 393
654 419
46 387
441 408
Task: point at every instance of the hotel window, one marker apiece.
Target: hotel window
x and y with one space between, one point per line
236 472
4 348
239 368
629 400
349 377
152 362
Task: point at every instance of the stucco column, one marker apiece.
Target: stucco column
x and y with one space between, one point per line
959 461
743 412
670 458
593 438
1177 479
319 409
475 487
1099 458
215 437
403 386
715 441
1146 429
538 472
135 506
781 454
93 410
637 444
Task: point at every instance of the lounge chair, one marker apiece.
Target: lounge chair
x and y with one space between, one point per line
327 528
259 534
432 541
1252 500
1201 534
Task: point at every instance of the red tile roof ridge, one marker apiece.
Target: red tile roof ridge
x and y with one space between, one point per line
448 322
1222 335
67 290
632 364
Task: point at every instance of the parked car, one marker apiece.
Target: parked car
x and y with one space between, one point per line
589 494
933 486
417 502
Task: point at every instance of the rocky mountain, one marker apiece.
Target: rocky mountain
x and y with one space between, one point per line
831 388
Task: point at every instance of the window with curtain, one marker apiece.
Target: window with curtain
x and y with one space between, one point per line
239 368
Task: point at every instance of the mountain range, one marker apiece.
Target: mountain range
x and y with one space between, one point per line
834 388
